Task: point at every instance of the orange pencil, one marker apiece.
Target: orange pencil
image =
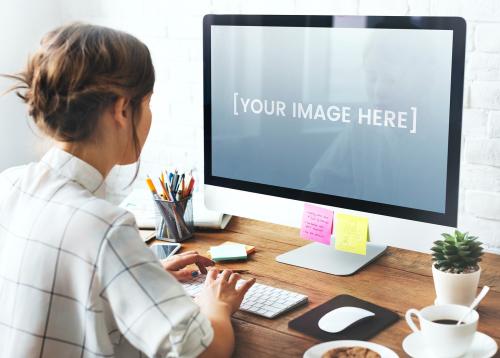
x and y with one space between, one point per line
164 189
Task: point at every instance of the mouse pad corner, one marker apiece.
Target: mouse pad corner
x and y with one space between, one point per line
362 330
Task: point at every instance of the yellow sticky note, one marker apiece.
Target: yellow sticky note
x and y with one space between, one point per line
351 233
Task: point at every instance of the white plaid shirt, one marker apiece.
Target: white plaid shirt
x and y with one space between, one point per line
76 280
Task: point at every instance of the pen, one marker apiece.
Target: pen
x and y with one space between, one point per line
174 186
172 193
233 271
239 271
181 183
197 273
174 182
169 184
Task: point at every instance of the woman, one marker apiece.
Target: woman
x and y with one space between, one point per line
76 280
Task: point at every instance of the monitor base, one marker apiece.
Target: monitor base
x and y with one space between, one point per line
327 259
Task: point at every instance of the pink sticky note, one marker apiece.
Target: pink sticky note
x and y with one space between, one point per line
317 224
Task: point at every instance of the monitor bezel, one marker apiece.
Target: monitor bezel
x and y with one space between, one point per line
455 24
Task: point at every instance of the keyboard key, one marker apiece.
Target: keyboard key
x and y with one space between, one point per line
263 300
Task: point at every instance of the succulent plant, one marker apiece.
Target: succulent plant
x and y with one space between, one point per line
457 253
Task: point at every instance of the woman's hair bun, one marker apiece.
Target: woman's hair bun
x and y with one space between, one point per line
77 72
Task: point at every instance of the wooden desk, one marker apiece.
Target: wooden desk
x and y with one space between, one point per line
399 280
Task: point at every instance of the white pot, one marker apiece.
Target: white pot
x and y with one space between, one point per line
455 288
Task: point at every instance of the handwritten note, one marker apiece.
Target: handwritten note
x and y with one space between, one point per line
351 233
317 224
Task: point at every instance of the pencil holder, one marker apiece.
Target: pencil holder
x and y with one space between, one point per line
174 219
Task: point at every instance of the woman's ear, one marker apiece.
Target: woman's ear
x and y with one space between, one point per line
121 112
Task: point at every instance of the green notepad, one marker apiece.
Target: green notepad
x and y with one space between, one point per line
228 252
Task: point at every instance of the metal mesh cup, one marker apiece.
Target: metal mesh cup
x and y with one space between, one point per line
174 219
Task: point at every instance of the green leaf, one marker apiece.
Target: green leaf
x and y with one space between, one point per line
452 258
451 251
451 241
446 235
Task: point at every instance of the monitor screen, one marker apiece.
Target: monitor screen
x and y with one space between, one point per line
353 114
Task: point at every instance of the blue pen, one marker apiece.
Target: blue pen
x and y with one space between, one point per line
179 183
175 182
172 188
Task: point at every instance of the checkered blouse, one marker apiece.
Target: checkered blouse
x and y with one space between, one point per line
76 280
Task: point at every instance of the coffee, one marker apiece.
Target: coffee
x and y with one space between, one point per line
446 321
438 327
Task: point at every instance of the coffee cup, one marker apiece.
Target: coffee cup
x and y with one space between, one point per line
439 330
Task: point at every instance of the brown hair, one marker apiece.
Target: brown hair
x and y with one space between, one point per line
78 71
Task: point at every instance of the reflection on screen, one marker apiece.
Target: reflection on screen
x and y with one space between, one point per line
351 112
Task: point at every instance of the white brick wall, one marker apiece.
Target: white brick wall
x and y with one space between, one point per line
494 124
487 39
172 29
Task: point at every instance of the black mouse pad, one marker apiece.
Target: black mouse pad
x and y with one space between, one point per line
362 330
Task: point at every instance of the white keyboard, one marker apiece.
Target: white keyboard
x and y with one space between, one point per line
260 299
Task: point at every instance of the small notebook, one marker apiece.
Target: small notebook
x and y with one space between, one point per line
364 330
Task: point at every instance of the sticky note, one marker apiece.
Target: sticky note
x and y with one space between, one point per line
228 252
351 233
317 224
249 249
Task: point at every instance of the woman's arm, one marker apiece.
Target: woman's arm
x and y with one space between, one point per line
222 345
218 300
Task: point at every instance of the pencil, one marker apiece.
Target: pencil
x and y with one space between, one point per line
190 186
234 271
164 188
151 185
240 271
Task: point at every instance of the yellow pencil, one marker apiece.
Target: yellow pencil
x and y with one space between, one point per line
151 185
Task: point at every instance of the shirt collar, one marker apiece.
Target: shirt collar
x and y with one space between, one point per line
73 168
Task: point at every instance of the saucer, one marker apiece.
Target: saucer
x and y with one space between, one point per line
482 346
318 350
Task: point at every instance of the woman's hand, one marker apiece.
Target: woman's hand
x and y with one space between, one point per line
218 300
176 265
219 295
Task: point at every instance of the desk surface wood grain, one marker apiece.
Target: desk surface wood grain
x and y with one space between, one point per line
399 280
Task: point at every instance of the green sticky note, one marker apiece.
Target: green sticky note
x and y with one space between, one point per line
351 233
228 252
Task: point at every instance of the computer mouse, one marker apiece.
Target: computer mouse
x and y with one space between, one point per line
340 318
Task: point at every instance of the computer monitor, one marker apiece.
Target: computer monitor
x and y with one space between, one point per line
358 113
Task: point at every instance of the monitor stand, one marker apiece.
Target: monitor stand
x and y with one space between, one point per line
327 259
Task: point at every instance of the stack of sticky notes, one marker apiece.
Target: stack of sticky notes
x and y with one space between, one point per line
230 251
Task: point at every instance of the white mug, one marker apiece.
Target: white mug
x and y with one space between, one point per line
444 340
